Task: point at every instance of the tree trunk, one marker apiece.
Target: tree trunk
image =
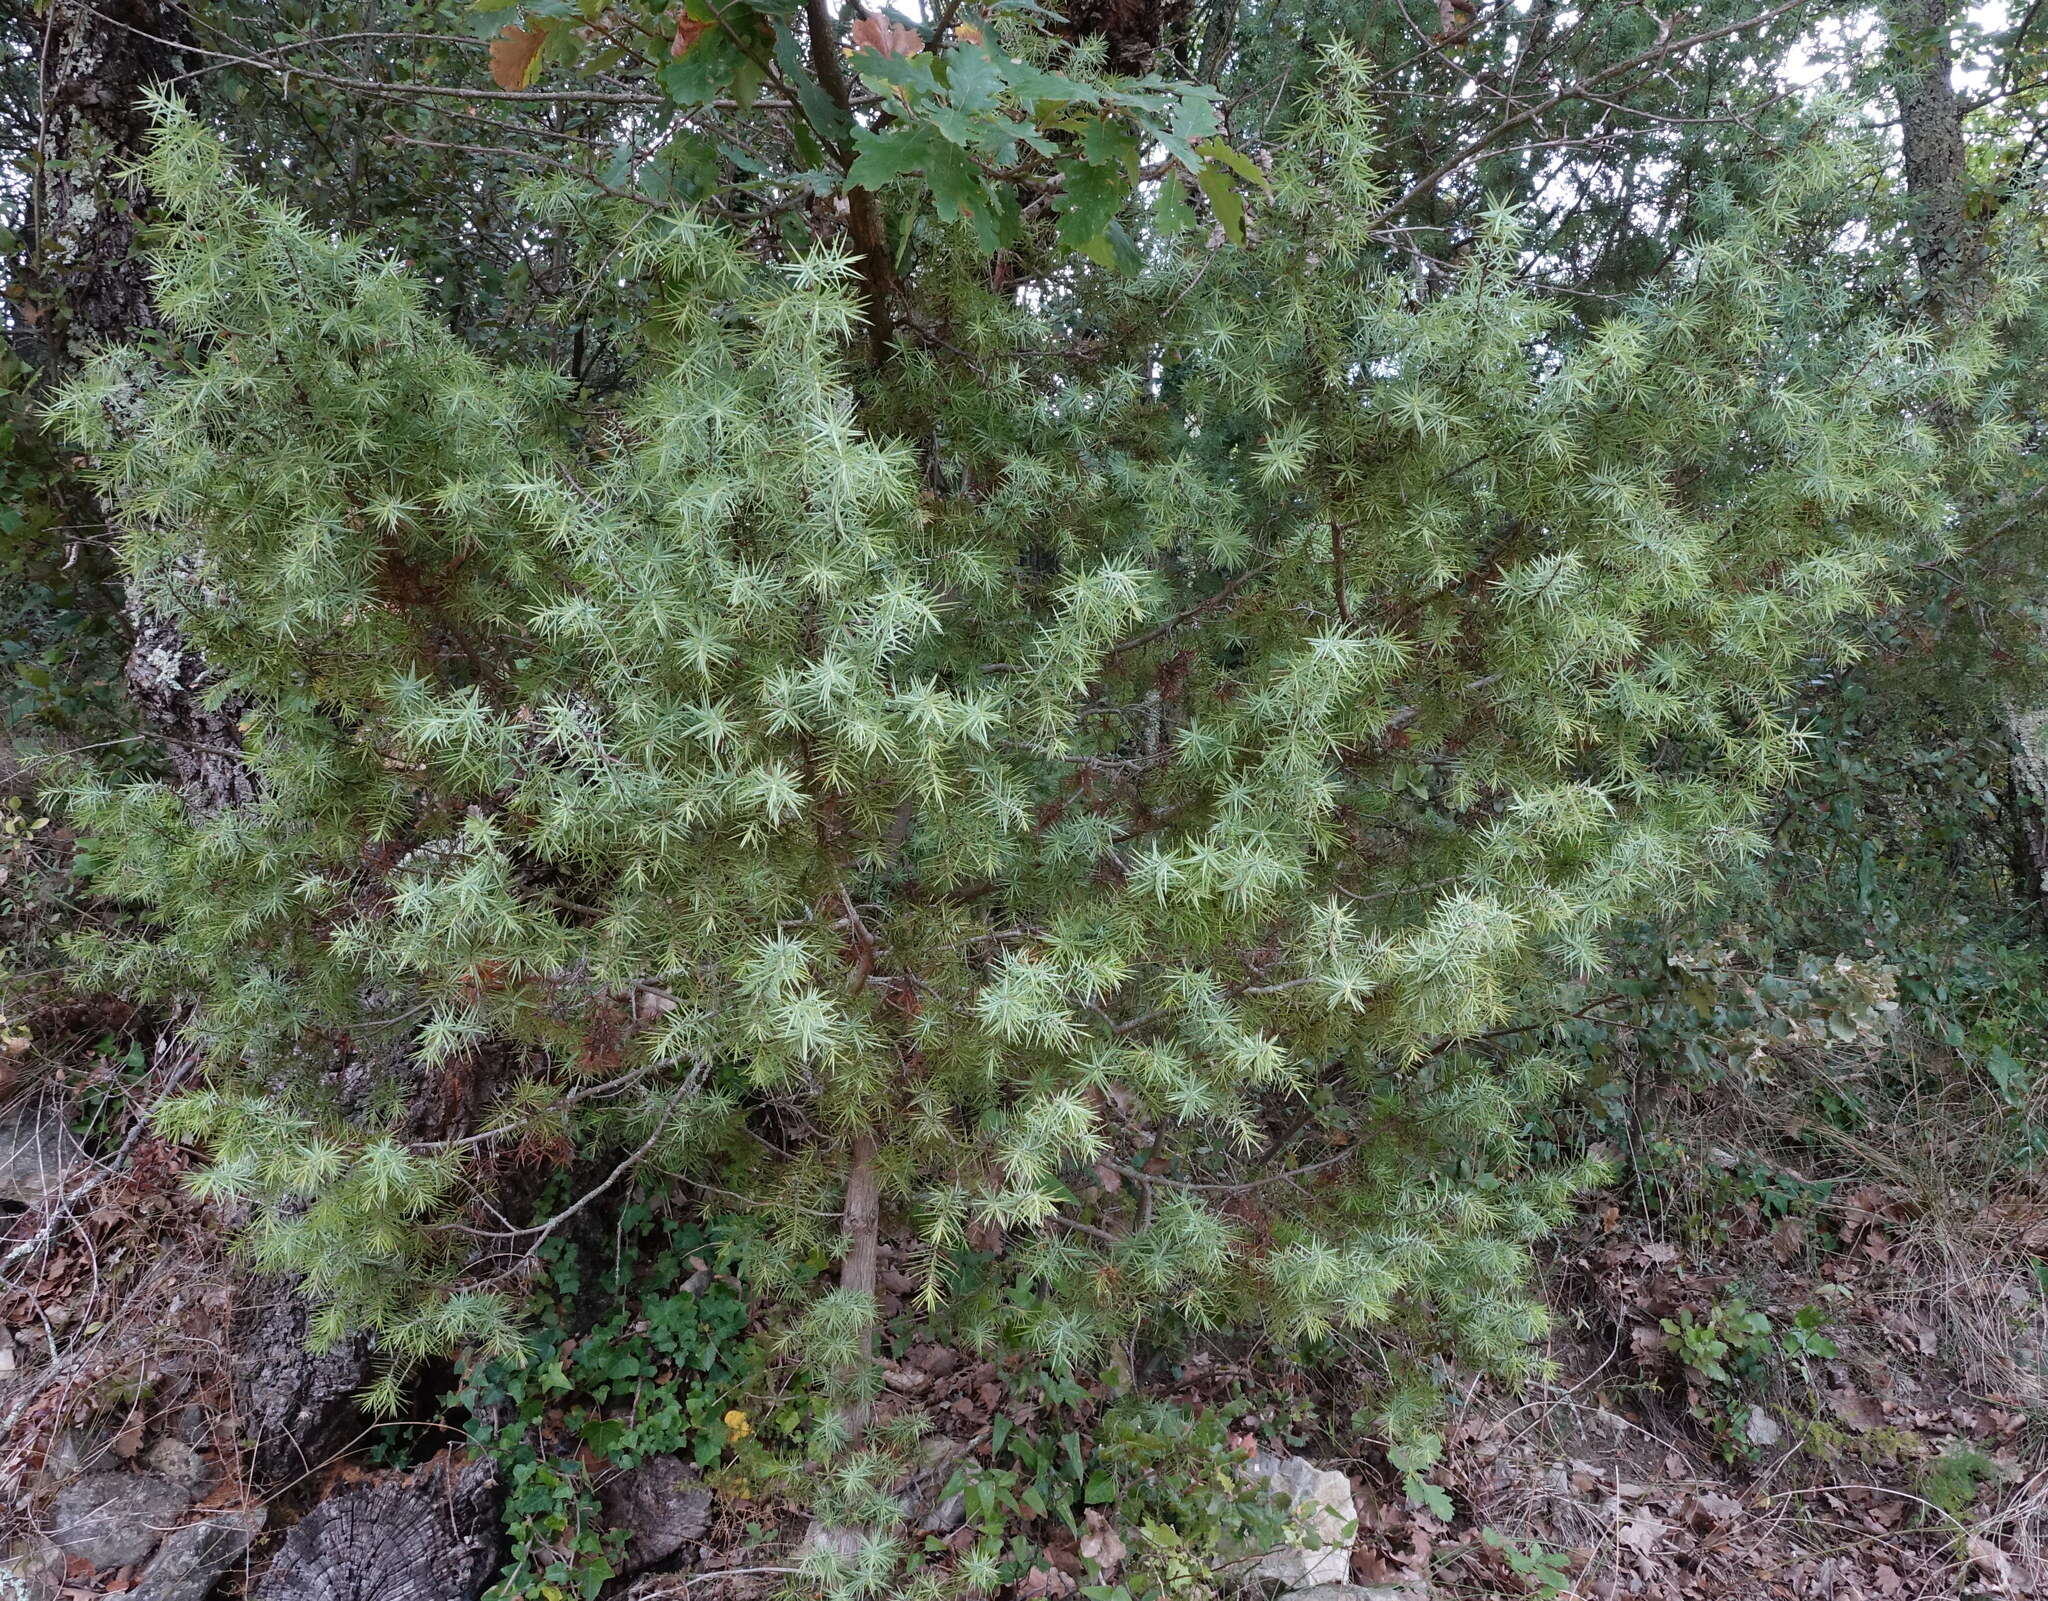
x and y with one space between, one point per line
857 1268
294 1408
99 60
1948 246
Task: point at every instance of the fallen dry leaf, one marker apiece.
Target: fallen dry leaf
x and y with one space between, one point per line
1860 1412
1707 1511
1643 1532
1993 1563
1102 1546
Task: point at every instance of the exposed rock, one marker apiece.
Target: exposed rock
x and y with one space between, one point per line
937 1457
662 1505
430 1535
114 1519
192 1559
77 1451
37 1150
1412 1590
33 1571
1323 1519
297 1407
180 1463
947 1516
194 1428
820 1540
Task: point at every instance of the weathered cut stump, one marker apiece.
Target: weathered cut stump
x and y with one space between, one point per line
296 1407
662 1505
429 1535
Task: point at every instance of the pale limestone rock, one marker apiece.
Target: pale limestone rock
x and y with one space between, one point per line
1324 1520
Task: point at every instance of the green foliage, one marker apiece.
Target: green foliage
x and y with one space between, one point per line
1119 762
1731 1352
985 112
1153 1497
1545 1574
1152 750
972 112
1953 1480
59 648
1412 1458
1801 1339
638 1349
1409 1420
1727 1347
1878 975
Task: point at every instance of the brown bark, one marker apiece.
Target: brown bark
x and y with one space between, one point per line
857 1268
861 1218
1131 30
100 58
863 215
1950 248
295 1408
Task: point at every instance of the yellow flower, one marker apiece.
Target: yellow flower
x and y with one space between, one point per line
736 1424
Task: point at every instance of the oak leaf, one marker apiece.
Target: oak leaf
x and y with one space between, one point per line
515 56
688 31
886 38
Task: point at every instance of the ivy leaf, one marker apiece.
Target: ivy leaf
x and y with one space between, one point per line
1124 255
1110 144
1045 92
826 120
727 54
958 190
685 171
960 193
689 30
976 78
515 56
618 172
1098 250
912 77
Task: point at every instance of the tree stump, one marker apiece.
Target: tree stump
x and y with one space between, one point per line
429 1535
